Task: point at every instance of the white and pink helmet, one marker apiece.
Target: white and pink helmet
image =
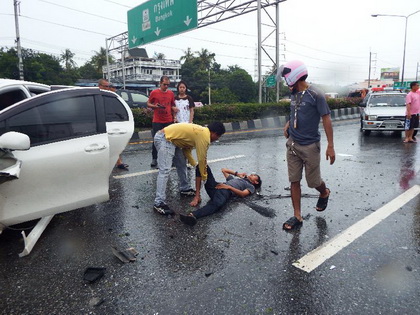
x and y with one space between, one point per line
292 71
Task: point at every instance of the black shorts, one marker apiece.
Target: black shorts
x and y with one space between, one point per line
414 122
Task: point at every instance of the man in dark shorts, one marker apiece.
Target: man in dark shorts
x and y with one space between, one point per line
307 107
237 184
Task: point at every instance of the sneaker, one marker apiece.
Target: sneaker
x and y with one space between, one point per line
188 219
154 163
163 209
123 167
189 192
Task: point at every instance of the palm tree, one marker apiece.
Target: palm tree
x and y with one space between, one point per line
188 55
206 58
67 57
159 56
99 59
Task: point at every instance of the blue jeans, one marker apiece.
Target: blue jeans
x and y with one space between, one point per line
218 197
168 153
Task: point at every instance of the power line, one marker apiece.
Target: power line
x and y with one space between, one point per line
84 12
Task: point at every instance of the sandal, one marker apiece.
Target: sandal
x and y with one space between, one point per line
294 224
188 219
322 203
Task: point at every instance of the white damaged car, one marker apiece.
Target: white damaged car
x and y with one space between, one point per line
382 111
57 151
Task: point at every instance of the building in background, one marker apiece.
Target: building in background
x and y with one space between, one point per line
141 72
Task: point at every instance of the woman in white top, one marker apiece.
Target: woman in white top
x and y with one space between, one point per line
185 105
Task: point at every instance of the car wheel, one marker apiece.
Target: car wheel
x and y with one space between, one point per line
361 124
366 132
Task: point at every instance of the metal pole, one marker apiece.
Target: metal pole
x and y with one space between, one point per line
405 42
417 70
277 51
19 49
259 53
209 89
370 61
107 61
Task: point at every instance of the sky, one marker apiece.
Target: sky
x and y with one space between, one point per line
335 38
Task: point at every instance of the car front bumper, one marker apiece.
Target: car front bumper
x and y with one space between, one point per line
386 125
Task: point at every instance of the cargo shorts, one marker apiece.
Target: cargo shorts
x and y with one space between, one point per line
304 156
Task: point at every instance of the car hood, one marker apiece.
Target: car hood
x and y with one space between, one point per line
386 111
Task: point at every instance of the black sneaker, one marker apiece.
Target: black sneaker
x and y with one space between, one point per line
154 163
189 192
163 209
188 219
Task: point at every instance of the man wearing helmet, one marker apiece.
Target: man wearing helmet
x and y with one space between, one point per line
307 107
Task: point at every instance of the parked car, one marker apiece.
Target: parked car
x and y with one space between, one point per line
57 151
134 99
382 111
13 91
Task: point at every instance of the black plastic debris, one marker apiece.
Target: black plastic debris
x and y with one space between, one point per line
93 273
126 255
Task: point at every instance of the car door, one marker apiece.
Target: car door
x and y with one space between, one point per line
119 124
67 165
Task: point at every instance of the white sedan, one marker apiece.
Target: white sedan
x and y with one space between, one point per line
75 136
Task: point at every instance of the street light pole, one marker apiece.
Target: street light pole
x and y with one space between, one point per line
405 37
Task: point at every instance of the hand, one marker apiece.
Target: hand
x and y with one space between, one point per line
330 154
175 109
286 132
241 175
222 186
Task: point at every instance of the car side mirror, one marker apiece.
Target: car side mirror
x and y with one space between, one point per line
362 104
13 140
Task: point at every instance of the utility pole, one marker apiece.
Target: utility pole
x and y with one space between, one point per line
209 89
19 49
417 70
370 61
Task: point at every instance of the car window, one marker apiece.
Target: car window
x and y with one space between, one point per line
11 97
56 120
137 97
114 109
124 96
387 100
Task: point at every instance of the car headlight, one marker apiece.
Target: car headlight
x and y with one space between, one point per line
372 117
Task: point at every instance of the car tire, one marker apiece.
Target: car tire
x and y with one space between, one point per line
366 132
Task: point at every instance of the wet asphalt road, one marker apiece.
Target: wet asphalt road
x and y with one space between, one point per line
238 261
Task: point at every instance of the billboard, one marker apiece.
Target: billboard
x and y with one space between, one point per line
390 74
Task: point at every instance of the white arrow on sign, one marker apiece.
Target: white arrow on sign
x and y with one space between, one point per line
134 39
188 20
157 32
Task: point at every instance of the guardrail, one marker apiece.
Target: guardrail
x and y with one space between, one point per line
264 123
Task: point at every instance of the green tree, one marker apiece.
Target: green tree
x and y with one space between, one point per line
67 57
159 56
9 63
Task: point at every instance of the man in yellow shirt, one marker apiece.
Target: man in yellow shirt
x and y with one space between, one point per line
174 143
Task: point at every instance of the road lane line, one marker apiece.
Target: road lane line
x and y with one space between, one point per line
156 170
319 255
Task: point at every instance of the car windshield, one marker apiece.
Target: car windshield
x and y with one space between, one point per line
387 100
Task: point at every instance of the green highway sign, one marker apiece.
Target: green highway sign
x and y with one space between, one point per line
157 19
271 81
400 85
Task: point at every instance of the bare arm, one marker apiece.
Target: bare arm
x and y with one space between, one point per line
240 193
286 128
330 153
226 172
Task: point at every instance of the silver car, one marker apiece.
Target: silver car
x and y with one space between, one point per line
382 111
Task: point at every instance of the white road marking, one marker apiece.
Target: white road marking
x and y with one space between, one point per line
343 154
319 255
156 170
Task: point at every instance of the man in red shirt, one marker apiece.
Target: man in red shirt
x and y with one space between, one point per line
162 101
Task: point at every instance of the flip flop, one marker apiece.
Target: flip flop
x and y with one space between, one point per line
294 224
322 203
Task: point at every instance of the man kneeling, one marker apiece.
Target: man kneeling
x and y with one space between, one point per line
237 184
